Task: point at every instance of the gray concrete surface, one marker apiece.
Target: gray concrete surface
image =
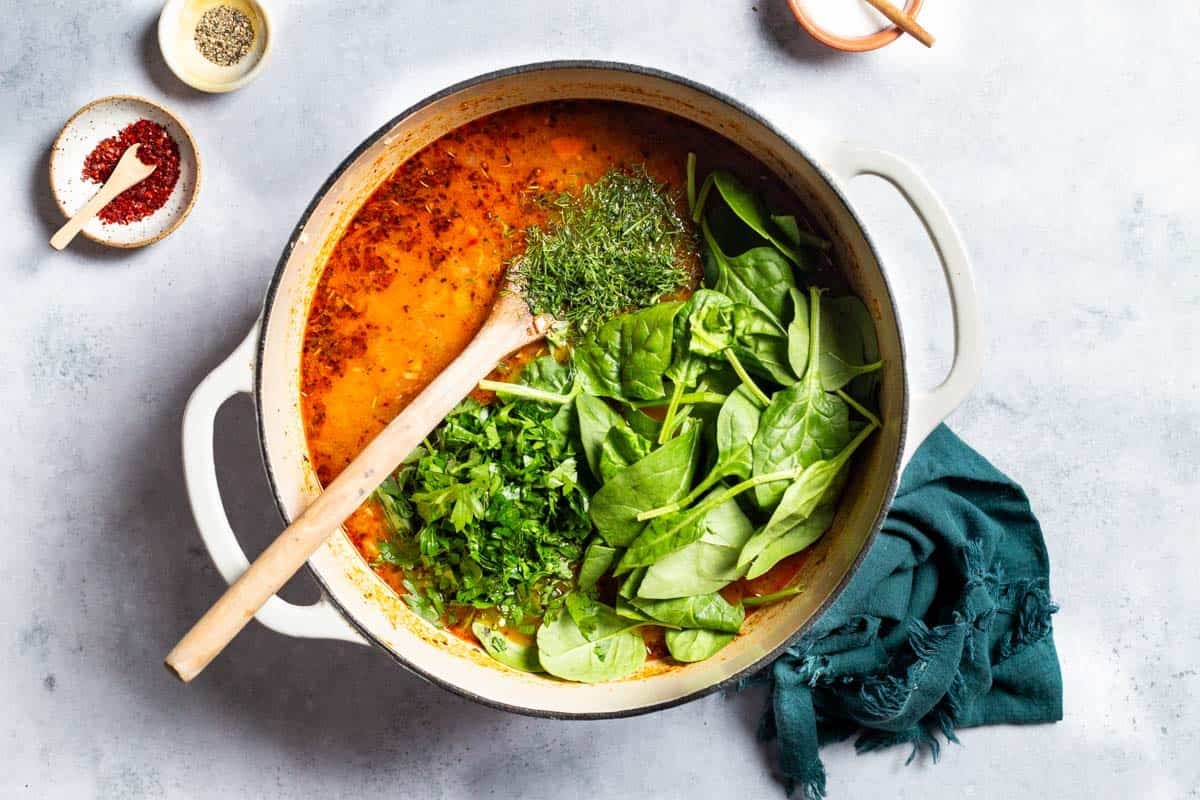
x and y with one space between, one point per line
1064 138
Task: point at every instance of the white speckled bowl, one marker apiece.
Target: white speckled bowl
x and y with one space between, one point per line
176 25
97 121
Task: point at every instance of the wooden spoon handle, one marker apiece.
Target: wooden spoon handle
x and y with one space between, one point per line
507 328
903 21
126 174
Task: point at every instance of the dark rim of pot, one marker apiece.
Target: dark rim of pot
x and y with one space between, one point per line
548 66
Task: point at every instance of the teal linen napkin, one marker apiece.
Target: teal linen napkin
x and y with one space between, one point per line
945 625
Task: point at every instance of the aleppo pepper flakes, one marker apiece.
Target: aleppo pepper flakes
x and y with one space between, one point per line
144 198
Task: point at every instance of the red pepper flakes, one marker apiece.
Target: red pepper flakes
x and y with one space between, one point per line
142 199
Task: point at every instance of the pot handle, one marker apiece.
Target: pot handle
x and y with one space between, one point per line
928 408
236 375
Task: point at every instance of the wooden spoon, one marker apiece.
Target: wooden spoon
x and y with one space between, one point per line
903 21
129 170
509 326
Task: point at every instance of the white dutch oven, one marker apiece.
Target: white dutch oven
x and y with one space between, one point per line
357 606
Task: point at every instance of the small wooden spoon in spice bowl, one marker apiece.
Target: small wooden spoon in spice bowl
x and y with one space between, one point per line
130 170
215 45
88 150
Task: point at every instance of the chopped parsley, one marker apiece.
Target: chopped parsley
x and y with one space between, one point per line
613 247
490 512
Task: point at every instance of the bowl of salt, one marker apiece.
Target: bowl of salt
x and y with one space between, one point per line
854 26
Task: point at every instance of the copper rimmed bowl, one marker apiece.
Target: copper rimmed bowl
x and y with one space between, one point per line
851 44
357 605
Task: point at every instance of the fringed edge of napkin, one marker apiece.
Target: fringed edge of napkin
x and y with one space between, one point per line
884 695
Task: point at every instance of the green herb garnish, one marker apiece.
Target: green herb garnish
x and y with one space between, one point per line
490 513
613 247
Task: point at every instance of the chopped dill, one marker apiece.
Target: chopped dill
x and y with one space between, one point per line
613 247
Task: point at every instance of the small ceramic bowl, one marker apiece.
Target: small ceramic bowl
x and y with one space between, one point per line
97 121
851 44
176 39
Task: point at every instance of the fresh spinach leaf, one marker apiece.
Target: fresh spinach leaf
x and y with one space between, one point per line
696 317
737 425
598 558
707 611
696 645
796 515
621 448
803 424
863 388
689 361
597 420
646 339
585 612
588 642
671 528
791 230
544 380
706 565
768 547
730 232
549 374
523 657
625 358
761 345
720 380
596 417
709 330
626 592
642 424
749 209
813 486
631 583
747 337
759 277
661 477
565 422
797 333
662 535
597 360
629 611
846 333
